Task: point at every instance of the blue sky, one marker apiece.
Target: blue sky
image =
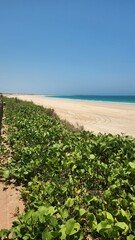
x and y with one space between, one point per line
67 47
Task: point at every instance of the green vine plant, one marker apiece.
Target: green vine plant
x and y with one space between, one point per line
76 185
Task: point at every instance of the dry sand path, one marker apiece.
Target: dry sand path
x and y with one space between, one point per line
10 205
98 117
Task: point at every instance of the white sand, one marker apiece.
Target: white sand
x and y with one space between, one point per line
115 118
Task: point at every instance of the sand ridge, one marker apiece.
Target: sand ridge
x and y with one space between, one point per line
104 117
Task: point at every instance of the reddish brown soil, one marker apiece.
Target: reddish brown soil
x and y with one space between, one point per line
10 196
10 205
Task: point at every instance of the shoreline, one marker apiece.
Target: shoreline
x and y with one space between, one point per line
86 100
96 116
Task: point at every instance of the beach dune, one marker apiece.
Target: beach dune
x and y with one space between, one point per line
104 117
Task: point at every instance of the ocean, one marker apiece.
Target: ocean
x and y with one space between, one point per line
116 99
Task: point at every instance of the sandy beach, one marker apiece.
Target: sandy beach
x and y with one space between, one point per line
104 117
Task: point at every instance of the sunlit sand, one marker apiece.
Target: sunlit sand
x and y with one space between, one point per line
115 118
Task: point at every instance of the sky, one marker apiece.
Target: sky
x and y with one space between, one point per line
67 47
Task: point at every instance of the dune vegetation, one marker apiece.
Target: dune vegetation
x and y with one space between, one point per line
75 184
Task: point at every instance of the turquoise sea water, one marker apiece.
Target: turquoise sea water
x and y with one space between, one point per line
117 99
